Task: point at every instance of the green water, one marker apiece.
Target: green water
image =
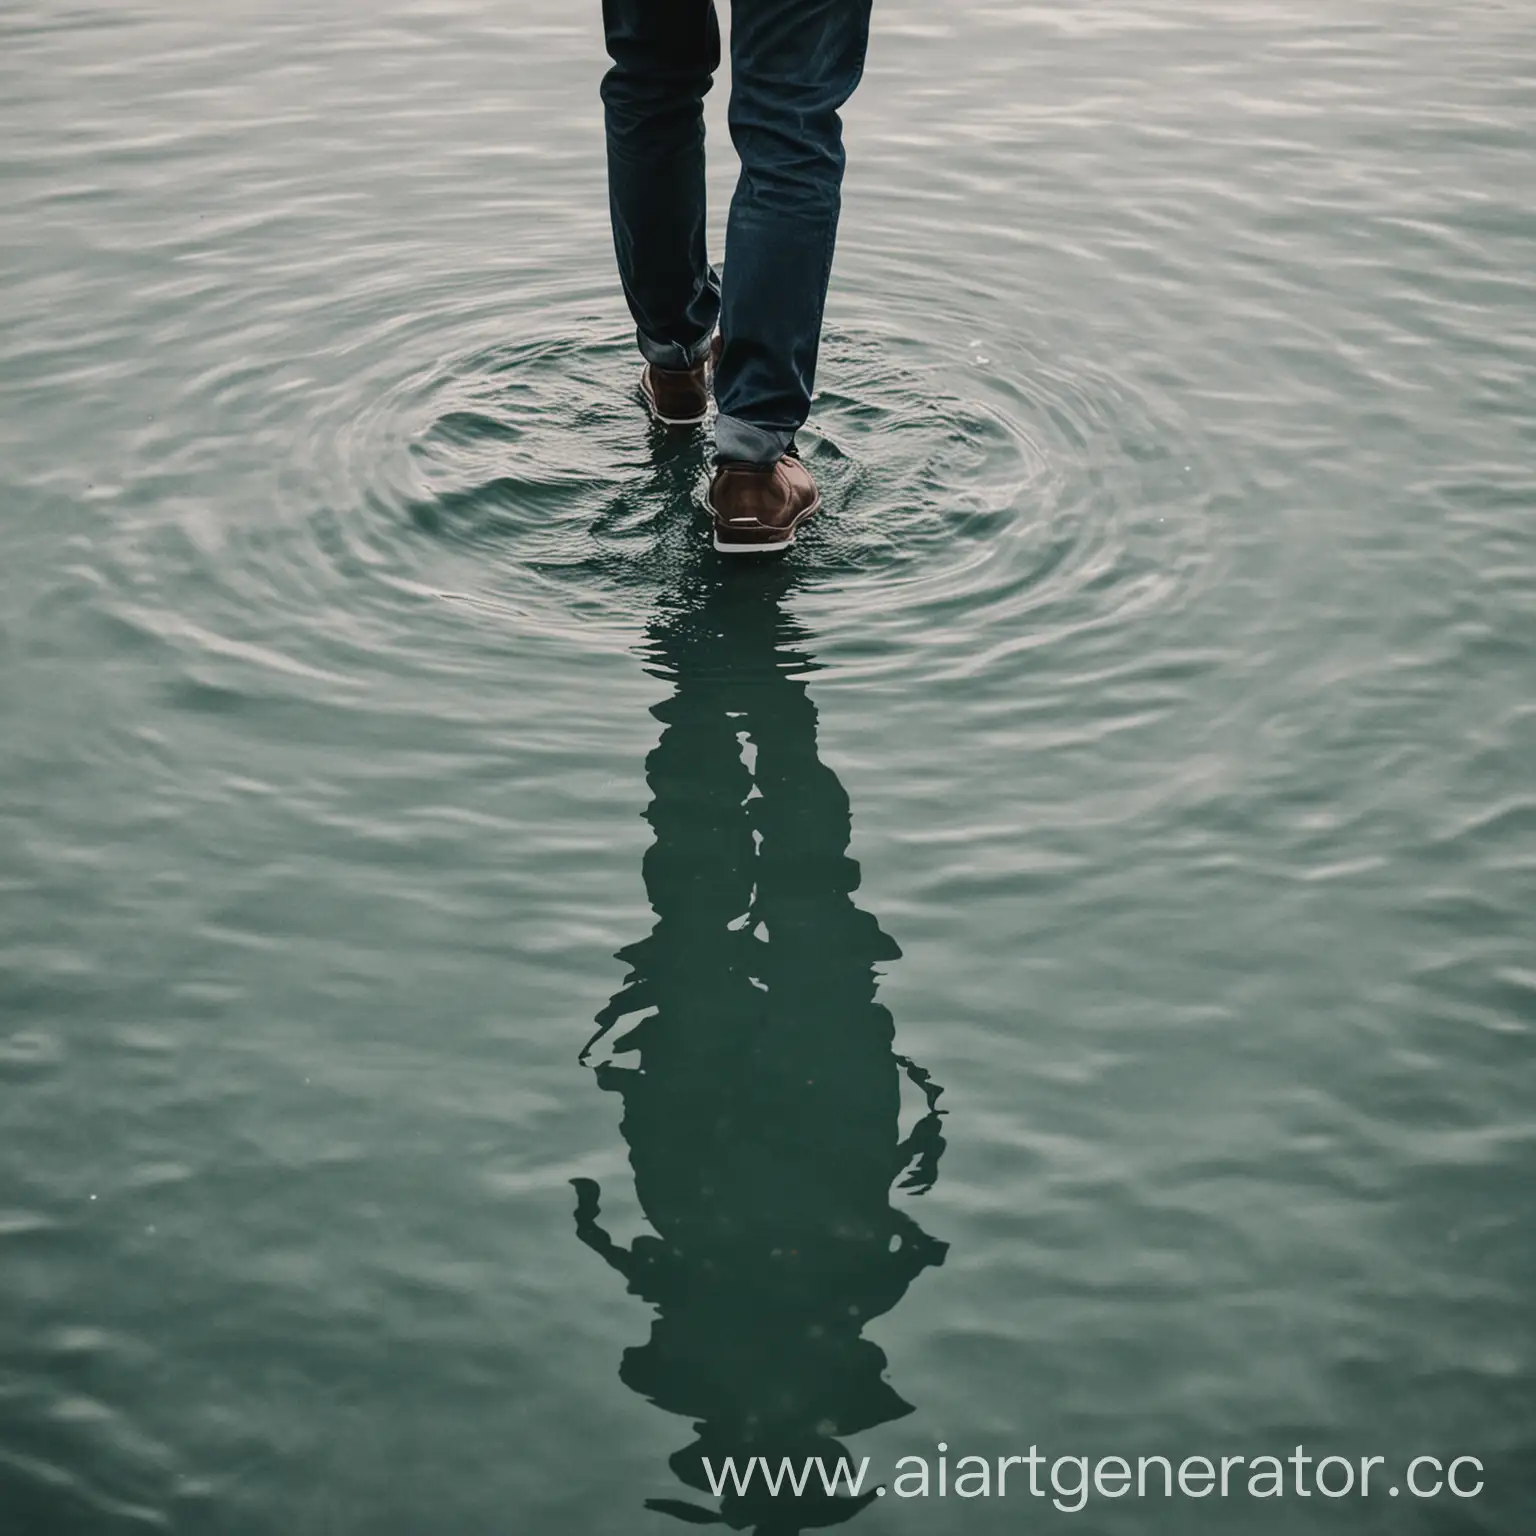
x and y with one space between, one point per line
490 1000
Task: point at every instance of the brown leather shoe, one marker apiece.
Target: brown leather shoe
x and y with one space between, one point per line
757 508
679 397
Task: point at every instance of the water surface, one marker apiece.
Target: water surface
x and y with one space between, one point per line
490 1001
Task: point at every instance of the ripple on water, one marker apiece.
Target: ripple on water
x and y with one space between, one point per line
983 497
970 509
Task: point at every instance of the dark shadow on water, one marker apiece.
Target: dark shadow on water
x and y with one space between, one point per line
760 1083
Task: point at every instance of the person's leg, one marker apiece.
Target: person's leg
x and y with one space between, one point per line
794 63
664 53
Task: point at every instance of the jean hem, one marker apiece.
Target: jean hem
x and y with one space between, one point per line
740 442
671 355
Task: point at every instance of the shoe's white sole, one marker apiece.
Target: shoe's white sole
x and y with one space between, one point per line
752 549
667 421
765 549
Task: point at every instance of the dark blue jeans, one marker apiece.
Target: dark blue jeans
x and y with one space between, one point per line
793 65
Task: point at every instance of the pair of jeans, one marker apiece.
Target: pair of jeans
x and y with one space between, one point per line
794 63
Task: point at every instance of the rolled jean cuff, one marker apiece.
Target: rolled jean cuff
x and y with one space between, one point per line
742 443
672 355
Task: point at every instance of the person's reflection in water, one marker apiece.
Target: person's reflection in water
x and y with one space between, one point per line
762 1099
